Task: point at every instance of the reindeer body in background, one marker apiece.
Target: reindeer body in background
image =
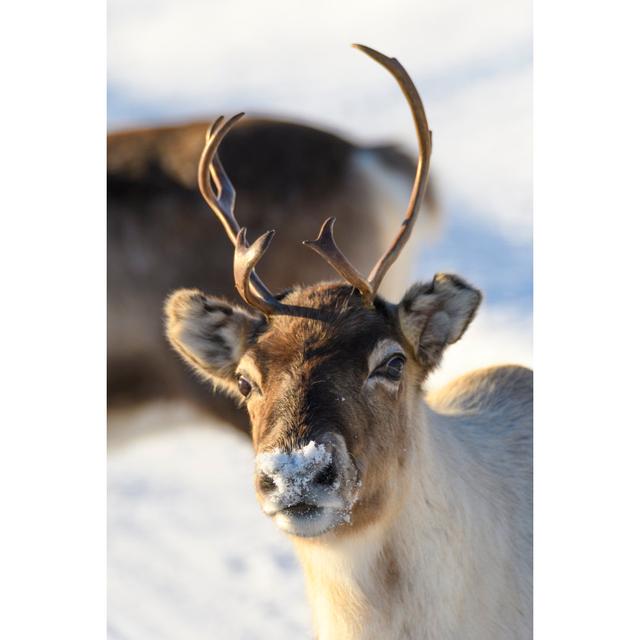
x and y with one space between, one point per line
412 518
160 235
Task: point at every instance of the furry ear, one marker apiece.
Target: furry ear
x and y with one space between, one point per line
210 334
437 314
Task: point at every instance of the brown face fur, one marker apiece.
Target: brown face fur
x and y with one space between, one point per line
311 378
312 381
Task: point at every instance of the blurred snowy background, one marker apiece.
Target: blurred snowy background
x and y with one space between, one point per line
189 554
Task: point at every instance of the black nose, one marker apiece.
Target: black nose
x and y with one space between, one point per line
327 476
266 483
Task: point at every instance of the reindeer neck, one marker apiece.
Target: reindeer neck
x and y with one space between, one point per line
395 577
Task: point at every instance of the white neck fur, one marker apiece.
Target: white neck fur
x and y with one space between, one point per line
440 567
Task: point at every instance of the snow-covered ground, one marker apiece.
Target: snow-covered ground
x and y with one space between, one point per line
190 556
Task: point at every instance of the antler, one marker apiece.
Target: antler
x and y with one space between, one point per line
253 291
325 244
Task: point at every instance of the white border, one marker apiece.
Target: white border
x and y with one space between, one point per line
586 115
52 264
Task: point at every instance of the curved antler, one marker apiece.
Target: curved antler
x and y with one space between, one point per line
253 291
325 244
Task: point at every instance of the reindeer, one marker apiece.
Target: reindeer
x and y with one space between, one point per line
411 516
160 236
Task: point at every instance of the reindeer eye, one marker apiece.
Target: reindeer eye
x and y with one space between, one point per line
392 368
244 386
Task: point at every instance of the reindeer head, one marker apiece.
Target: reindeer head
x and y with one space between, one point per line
330 374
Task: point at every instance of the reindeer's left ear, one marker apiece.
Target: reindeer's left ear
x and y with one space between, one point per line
435 315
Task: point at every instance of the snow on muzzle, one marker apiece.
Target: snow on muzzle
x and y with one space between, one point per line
308 490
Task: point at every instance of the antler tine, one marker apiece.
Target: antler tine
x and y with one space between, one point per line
422 171
325 245
207 170
223 203
226 190
245 259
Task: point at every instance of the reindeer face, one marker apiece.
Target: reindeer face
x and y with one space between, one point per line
330 396
324 396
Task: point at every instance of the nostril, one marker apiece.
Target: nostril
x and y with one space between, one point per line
327 476
266 483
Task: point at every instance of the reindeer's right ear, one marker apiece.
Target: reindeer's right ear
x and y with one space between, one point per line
210 334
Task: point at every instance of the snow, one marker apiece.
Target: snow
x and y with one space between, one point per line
291 472
190 554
